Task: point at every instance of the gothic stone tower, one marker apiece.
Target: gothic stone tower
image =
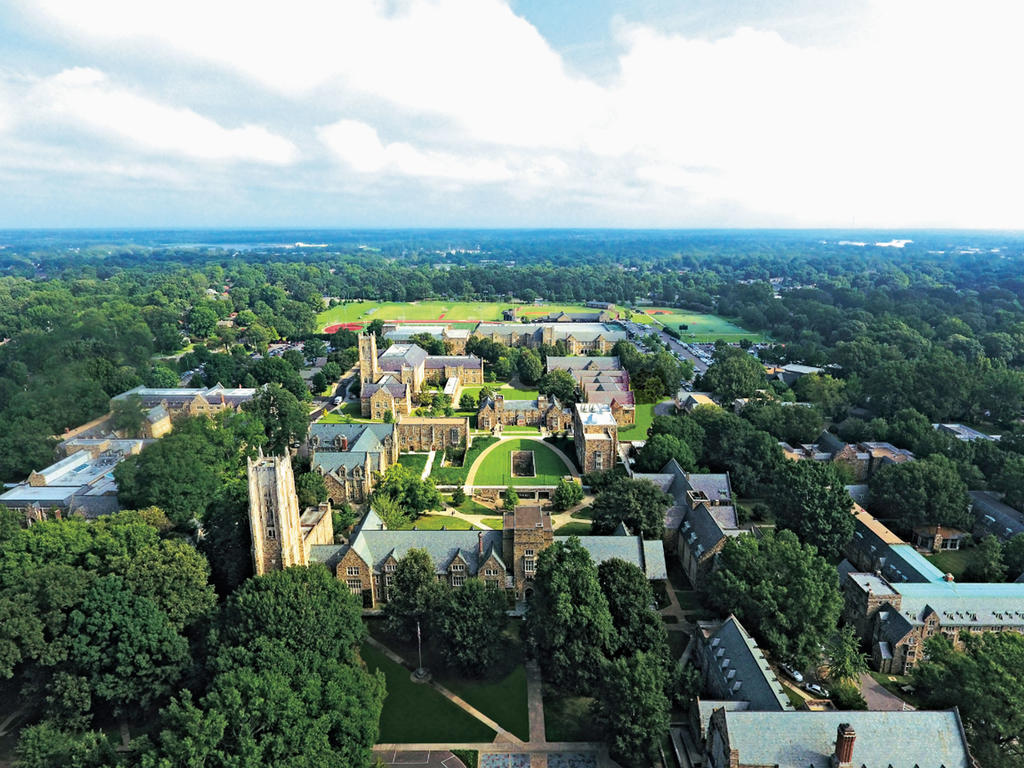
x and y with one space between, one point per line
274 515
368 370
526 532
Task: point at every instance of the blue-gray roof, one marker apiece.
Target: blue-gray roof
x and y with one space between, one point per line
807 739
741 669
995 517
648 556
398 355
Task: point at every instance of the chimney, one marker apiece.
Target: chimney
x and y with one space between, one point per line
948 577
344 442
542 401
845 736
480 544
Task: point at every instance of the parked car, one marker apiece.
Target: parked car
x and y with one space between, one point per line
791 673
817 690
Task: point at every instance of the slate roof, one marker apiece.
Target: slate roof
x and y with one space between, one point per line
455 361
742 667
575 363
994 516
395 387
807 739
361 437
517 405
964 605
397 356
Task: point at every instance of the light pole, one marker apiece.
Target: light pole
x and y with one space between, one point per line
420 675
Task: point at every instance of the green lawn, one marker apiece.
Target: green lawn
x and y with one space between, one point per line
437 522
956 562
701 327
895 685
569 718
573 529
687 600
417 713
507 391
583 514
443 312
496 468
417 462
644 419
348 412
457 475
470 507
794 698
502 699
494 522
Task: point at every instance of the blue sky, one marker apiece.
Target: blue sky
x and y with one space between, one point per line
865 113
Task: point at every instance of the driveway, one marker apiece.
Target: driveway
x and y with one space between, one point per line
880 699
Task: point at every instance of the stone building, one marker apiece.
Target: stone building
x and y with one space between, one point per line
505 558
281 536
391 379
543 412
861 459
454 338
733 668
596 435
416 433
600 380
896 599
350 456
579 338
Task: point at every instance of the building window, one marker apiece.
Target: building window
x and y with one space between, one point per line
352 570
458 581
355 586
528 566
599 461
490 572
271 533
529 553
389 568
389 580
458 568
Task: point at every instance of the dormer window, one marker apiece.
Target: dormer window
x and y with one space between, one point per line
458 568
389 568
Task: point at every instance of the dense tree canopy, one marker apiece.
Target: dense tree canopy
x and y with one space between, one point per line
639 504
809 498
923 492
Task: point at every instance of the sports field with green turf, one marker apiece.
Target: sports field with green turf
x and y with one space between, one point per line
701 327
436 311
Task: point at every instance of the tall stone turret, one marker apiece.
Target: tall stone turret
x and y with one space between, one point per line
369 373
274 515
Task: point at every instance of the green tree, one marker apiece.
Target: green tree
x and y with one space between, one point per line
809 498
567 495
632 709
1013 556
314 348
639 504
469 625
660 449
783 590
285 420
567 617
129 417
733 374
559 384
987 564
414 596
846 661
311 489
924 492
468 401
458 497
630 597
45 745
511 499
984 683
825 391
530 368
1010 481
202 321
413 495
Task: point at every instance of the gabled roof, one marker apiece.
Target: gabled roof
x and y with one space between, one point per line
648 556
453 361
397 356
742 667
807 739
390 384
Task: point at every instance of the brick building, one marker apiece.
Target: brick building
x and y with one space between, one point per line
596 435
420 433
600 380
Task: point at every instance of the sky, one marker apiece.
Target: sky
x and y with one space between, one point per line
511 113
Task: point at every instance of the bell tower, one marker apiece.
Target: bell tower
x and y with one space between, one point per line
274 515
369 373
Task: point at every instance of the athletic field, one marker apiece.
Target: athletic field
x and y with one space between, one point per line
701 327
362 312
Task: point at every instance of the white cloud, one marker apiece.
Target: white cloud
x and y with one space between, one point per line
358 145
911 120
84 97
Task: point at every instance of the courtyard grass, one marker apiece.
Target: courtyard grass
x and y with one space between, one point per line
496 467
416 713
437 522
569 718
687 600
349 412
702 327
502 698
794 698
506 390
457 475
644 419
493 522
955 562
470 507
416 462
573 529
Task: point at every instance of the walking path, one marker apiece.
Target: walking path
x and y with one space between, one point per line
535 699
430 464
879 698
